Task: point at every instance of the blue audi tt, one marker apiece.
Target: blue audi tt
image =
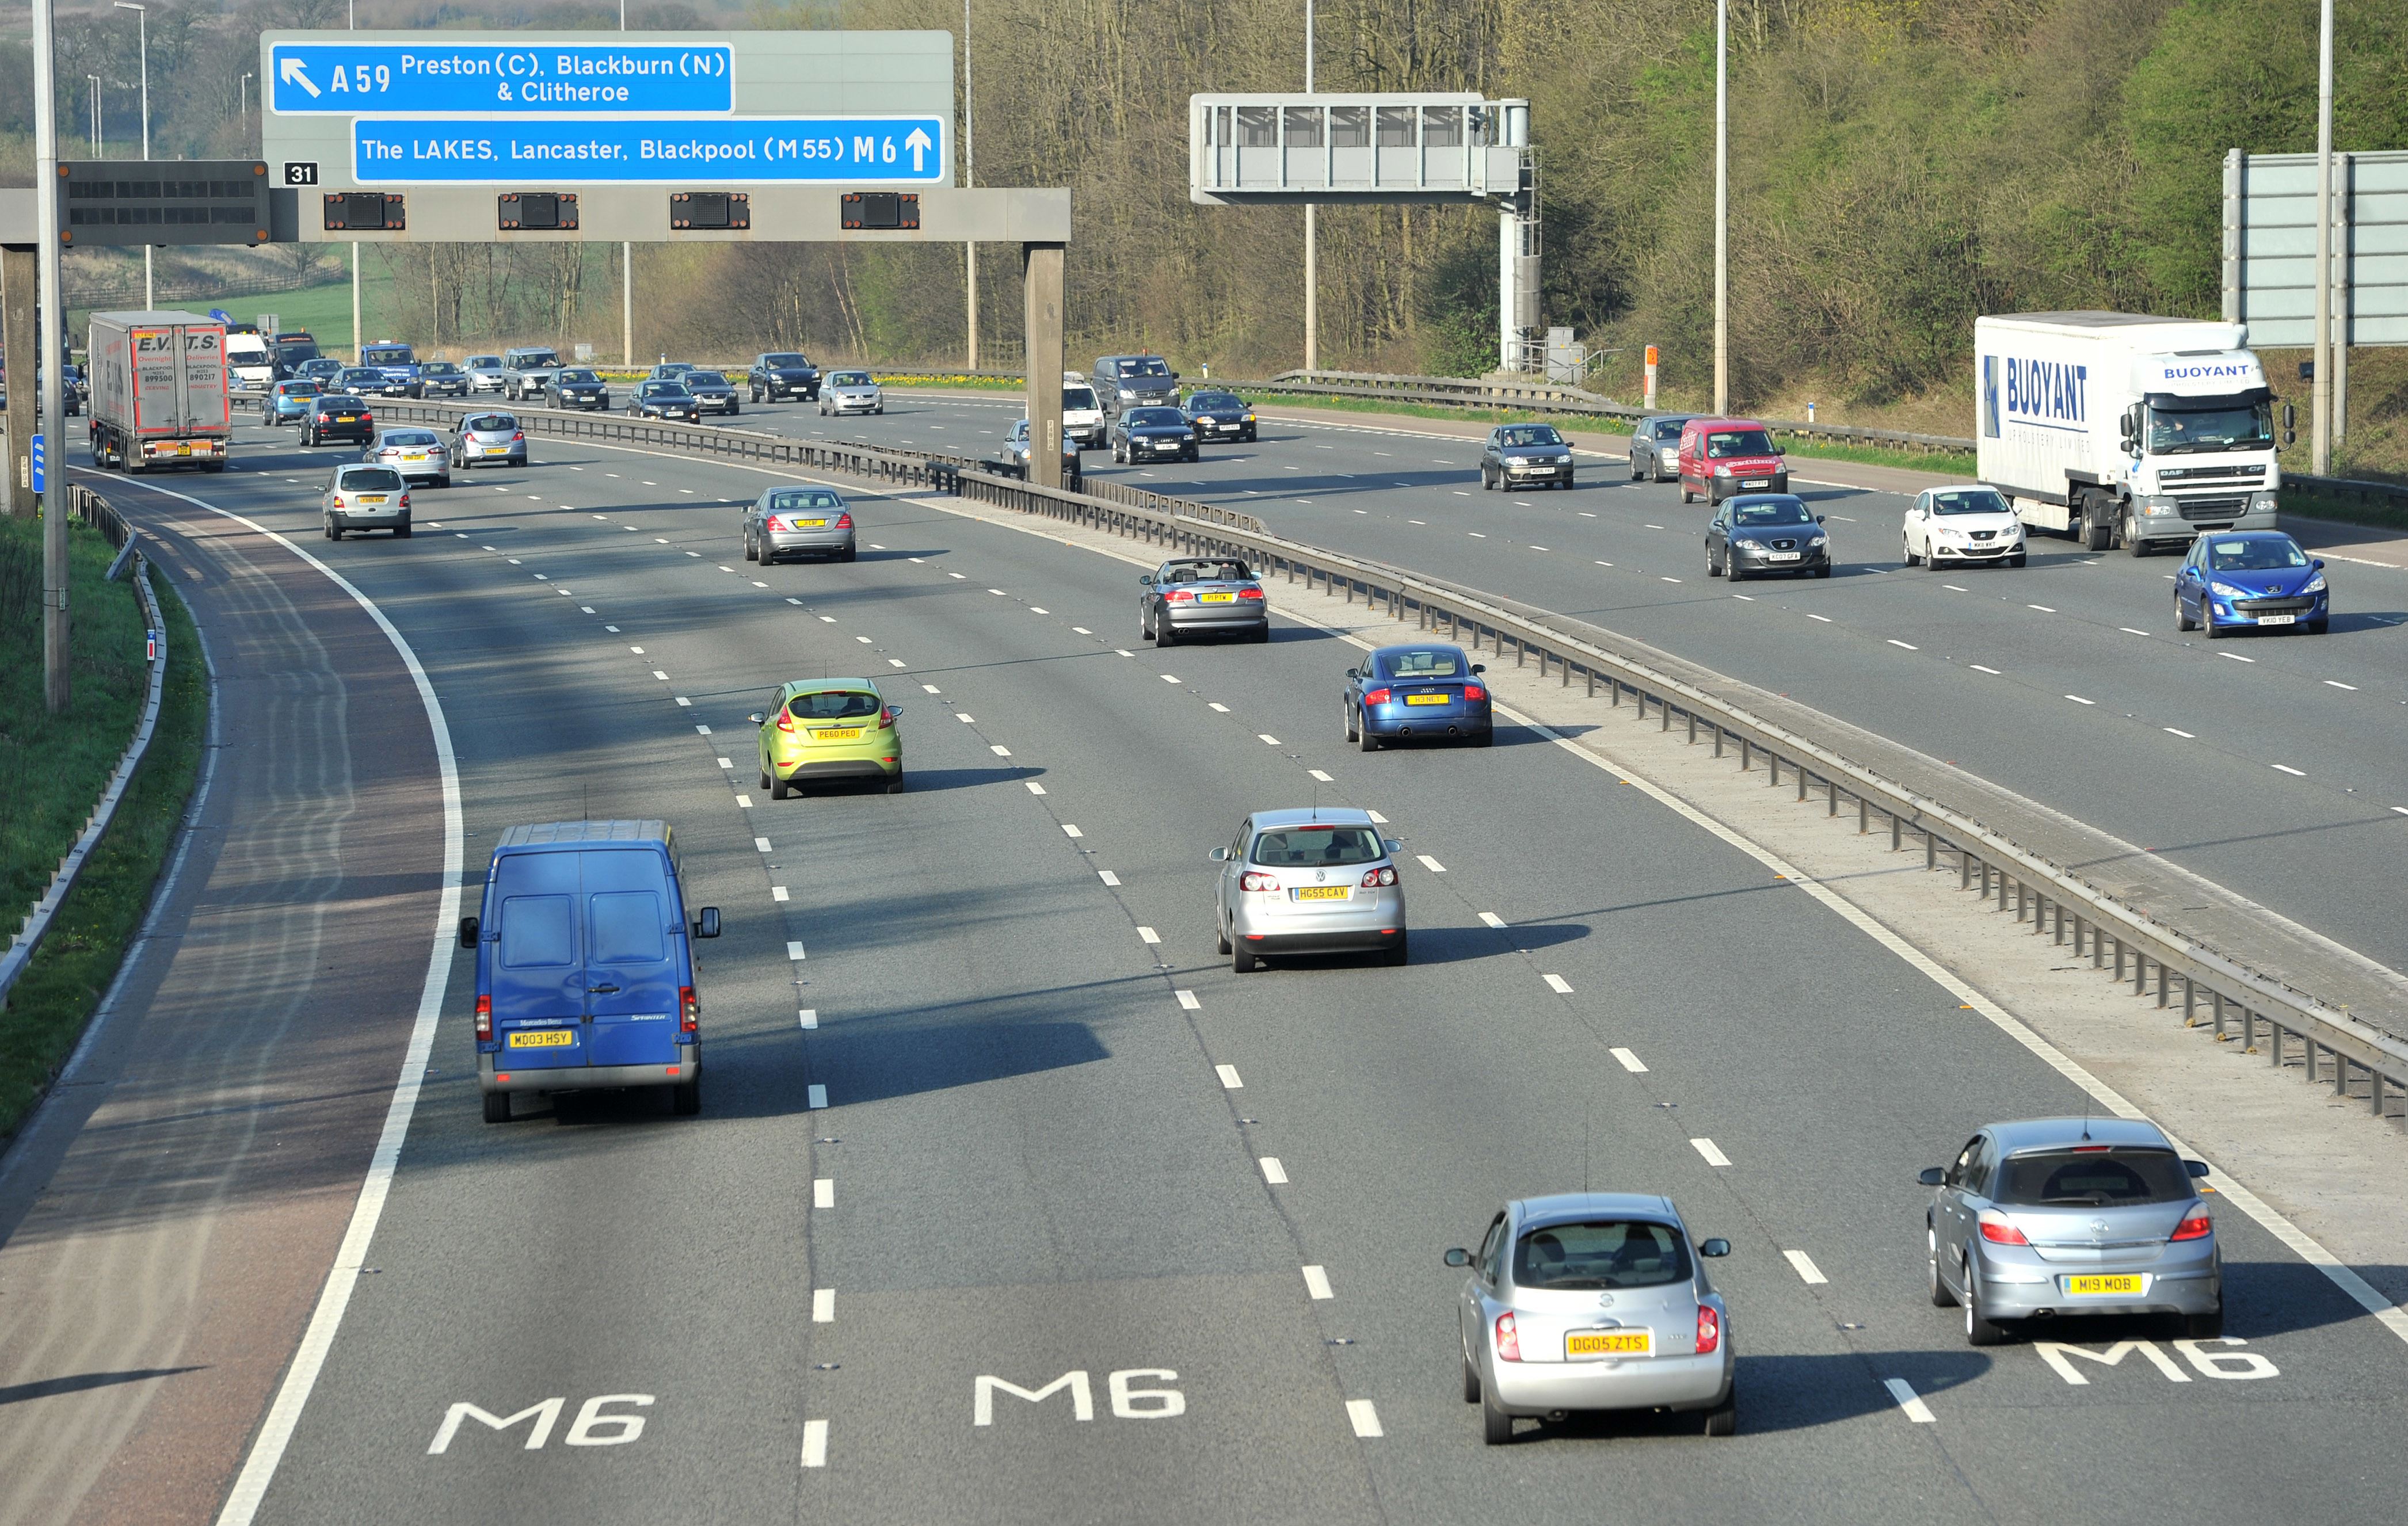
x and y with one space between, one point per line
2242 579
1412 693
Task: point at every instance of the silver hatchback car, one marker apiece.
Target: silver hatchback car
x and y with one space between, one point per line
364 498
419 454
851 392
489 439
1307 882
797 522
2063 1216
1590 1301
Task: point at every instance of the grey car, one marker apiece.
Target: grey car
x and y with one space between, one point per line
2059 1217
712 391
1656 448
489 439
364 497
1316 881
1525 455
851 392
418 453
1012 454
441 379
484 373
797 522
1201 595
1766 533
1590 1301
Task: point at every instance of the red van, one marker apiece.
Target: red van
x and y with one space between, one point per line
1724 457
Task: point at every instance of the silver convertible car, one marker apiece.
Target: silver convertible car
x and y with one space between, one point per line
1201 595
797 522
1589 1300
1307 882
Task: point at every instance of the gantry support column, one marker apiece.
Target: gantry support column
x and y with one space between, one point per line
1041 267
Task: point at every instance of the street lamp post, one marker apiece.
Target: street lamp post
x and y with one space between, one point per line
359 337
1722 207
243 108
1312 241
969 177
50 324
96 116
2321 422
142 25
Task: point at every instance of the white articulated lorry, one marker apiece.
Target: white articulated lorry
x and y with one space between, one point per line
159 391
2116 428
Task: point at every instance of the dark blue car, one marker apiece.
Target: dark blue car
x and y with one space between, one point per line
1416 692
2240 579
1152 435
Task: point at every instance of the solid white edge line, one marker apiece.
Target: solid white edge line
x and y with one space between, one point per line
309 1357
1916 1410
2298 1241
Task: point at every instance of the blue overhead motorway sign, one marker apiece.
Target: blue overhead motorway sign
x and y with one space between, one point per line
772 151
445 75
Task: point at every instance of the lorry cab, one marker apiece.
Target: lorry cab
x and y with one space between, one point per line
585 969
1721 457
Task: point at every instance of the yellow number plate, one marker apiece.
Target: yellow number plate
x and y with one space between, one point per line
543 1038
1216 598
2104 1287
1321 892
810 525
846 734
413 455
1427 699
372 497
1610 1343
497 450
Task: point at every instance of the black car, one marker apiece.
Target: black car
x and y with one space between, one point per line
582 386
663 400
1219 416
74 387
783 373
1766 531
442 379
1152 435
1525 455
712 391
365 381
337 416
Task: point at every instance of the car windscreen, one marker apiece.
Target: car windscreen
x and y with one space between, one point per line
1317 847
386 355
579 377
1750 513
482 362
786 362
1144 366
1722 442
1529 434
439 368
1601 1253
786 499
851 378
1156 418
1082 399
2254 555
1424 662
1219 401
357 375
2092 1177
1969 501
297 389
704 379
410 438
297 353
339 402
664 388
833 704
1669 430
487 423
535 358
369 479
1205 572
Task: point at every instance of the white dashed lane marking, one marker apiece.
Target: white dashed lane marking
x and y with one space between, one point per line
823 1305
1630 1062
1430 863
1316 1283
1363 1418
1807 1271
815 1444
1274 1172
1557 984
1903 1391
1229 1075
824 1192
1187 1000
1712 1151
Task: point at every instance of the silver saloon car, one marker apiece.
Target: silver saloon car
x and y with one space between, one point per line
1591 1301
797 522
419 454
1307 882
851 392
2058 1218
489 439
1201 595
364 498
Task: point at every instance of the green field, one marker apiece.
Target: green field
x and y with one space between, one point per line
325 311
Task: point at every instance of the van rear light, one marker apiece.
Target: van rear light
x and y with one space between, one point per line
1998 1231
1376 696
1473 693
688 1010
1508 1339
1378 877
2195 1226
1252 882
1709 1330
485 1018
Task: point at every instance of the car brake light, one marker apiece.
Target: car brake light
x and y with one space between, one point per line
1252 881
2196 1226
1995 1229
773 522
2092 1149
519 436
1473 693
844 521
1377 878
485 1018
785 722
885 718
405 500
366 419
688 1010
1178 595
1508 1339
1376 696
1709 1330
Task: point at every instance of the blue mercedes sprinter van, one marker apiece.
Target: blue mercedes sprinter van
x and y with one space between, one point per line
585 964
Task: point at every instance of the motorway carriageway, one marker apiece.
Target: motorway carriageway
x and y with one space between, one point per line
2275 765
983 1107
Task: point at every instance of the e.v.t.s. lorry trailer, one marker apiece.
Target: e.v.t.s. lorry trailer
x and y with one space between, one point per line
159 391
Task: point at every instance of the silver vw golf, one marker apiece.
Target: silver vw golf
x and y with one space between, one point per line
2060 1217
1593 1300
1307 882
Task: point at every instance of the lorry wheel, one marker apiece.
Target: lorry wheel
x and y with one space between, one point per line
2133 541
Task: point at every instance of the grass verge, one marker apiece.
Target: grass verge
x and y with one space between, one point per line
53 1000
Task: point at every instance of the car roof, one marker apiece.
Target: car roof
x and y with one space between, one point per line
2057 1133
1668 418
1707 421
584 834
830 686
1563 1208
1344 816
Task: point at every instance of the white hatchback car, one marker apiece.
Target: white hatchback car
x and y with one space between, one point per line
1952 526
851 392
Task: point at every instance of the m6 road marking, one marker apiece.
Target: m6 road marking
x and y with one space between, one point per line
2226 1361
594 1426
1128 1401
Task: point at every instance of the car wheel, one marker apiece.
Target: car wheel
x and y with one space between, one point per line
401 531
327 529
1398 955
1470 1382
2207 621
1486 738
1940 1297
686 1100
1220 939
781 789
1822 571
1979 1331
443 481
1346 714
734 408
1723 1420
334 530
497 1107
2183 622
1688 497
764 778
1731 568
2205 1327
1906 552
752 550
2016 560
1496 1426
847 554
1263 636
1365 740
1241 959
1713 568
1634 469
1165 634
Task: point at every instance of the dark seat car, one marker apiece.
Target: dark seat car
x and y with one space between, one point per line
362 381
1525 455
1219 416
781 374
287 402
1767 533
1152 435
1656 448
582 386
663 400
671 371
1417 693
442 379
1134 381
1201 595
337 416
322 370
713 393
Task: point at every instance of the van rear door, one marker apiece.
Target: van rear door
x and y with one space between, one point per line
538 969
634 935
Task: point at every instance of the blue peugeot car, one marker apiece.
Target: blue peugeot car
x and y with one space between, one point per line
2243 578
1417 693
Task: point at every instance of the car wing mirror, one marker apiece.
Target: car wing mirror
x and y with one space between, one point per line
1394 844
1145 580
467 932
756 719
1933 1175
1717 1246
1353 673
895 709
2318 563
2197 1168
1479 667
1219 855
707 925
1458 1257
1818 519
